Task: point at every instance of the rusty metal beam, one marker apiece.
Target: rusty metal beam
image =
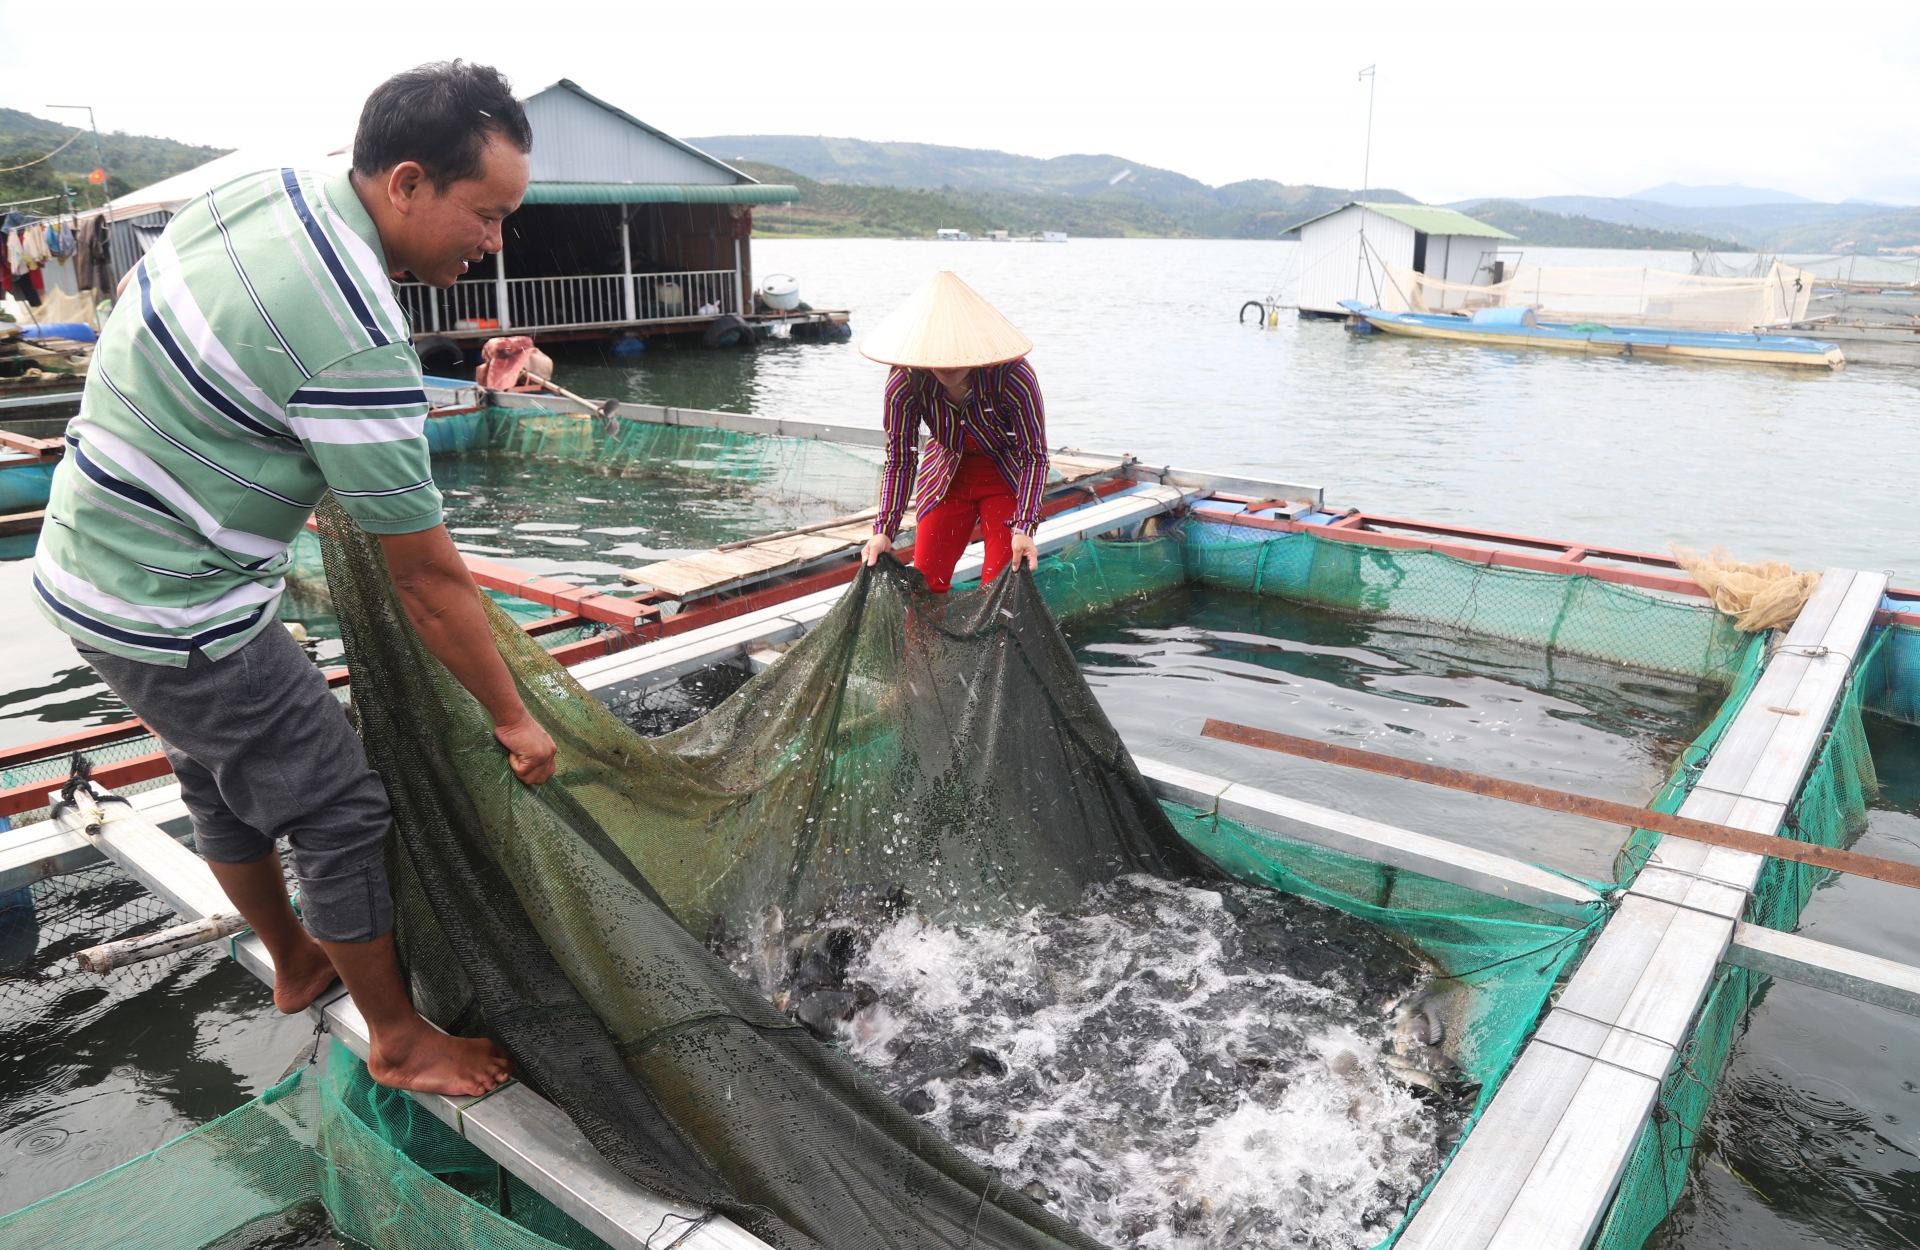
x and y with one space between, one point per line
1573 804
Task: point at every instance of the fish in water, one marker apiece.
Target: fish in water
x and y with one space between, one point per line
805 969
1416 1036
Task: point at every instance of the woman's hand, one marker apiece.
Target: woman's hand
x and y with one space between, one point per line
876 547
1024 549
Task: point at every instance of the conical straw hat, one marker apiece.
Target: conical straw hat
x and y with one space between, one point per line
945 325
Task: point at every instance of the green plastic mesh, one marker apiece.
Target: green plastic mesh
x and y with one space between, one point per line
791 467
308 1151
1553 611
1891 673
1830 810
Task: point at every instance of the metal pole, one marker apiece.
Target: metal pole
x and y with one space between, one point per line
739 293
1366 179
500 285
99 158
626 266
1833 858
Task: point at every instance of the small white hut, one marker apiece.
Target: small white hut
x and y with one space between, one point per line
1343 253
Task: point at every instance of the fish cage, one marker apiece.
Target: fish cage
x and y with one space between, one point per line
1533 969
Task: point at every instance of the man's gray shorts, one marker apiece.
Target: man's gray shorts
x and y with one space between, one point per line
263 751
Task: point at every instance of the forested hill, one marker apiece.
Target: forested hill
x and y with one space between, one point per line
1085 195
132 161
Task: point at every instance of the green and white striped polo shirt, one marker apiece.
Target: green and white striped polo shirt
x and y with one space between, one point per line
257 360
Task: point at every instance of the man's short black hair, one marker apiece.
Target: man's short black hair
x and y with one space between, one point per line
438 115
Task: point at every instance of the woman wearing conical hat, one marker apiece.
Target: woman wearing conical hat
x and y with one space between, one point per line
959 369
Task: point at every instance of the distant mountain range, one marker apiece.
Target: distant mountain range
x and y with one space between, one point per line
1089 195
1111 195
1802 226
1727 195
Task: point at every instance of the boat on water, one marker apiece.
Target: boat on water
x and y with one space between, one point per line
1519 327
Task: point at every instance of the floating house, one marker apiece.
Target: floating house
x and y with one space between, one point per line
625 232
1343 252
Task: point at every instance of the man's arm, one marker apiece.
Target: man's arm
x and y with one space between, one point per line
443 603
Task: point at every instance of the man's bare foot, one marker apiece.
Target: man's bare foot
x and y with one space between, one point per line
301 976
432 1062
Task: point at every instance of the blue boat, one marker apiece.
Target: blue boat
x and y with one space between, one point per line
1518 327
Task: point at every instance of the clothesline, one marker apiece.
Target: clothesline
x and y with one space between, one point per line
42 200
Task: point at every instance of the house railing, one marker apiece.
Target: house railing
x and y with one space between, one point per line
585 302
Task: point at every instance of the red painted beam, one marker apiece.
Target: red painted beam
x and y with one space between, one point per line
565 596
33 795
80 740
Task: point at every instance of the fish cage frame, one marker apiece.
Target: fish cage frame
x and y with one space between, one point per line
1541 1166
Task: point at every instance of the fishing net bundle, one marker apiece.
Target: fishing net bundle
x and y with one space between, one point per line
949 753
1758 596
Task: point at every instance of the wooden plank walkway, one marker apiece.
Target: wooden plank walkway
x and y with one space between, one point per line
737 565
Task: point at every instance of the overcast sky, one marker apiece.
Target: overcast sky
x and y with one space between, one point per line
1474 99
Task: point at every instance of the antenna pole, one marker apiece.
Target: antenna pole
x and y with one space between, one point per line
1366 177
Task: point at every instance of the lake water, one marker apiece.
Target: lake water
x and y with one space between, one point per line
1138 350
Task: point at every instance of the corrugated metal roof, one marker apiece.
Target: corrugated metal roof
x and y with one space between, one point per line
1422 217
578 137
658 193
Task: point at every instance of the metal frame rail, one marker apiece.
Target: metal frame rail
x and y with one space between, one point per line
1540 1168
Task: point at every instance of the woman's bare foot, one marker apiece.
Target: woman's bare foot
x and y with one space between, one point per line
301 975
432 1062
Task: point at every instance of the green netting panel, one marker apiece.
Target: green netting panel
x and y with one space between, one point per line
1831 809
1096 575
1891 673
300 1151
810 468
1554 611
1687 768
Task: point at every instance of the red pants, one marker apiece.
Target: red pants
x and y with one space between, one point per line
977 492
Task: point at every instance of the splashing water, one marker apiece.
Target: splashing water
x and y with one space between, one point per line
1167 1066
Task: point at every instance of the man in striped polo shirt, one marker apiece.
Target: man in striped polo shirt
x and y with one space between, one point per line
257 360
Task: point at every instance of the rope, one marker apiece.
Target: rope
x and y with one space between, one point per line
49 156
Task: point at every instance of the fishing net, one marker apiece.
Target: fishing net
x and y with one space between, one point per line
1758 596
845 476
1890 674
312 1156
949 751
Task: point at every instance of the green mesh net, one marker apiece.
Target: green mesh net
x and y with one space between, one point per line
311 1157
799 467
1890 674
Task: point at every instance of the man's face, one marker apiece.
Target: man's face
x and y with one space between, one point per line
439 233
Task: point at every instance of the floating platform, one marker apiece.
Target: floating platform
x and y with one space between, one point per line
1517 327
1543 1164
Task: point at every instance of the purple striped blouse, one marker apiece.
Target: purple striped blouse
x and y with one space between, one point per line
1004 414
